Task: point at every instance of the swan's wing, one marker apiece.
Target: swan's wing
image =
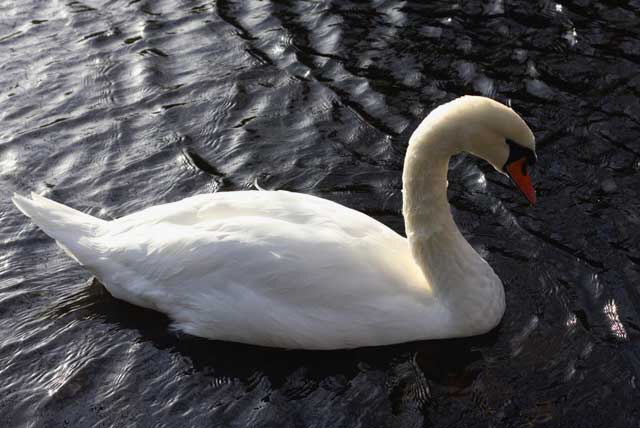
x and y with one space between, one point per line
304 234
268 267
256 275
253 251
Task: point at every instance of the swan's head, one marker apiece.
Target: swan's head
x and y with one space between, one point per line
487 129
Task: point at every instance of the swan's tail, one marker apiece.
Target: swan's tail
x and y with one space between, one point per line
71 228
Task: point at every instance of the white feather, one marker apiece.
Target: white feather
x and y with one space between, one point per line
290 270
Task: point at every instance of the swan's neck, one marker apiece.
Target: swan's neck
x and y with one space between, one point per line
458 276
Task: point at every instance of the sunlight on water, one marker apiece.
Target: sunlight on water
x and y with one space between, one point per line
571 36
112 106
611 311
8 163
518 341
495 7
481 180
571 322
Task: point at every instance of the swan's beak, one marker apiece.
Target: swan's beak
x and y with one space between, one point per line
517 170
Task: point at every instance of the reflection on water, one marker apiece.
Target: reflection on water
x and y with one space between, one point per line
617 328
112 107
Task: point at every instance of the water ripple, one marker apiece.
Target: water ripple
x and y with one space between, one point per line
118 106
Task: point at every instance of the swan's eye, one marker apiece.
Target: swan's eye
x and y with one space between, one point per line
532 158
517 152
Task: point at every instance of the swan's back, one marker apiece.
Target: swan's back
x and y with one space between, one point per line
294 208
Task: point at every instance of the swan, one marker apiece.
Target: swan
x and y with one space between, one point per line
290 270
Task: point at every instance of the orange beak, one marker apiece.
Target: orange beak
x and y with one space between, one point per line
518 172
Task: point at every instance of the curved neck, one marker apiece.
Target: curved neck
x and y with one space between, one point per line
458 276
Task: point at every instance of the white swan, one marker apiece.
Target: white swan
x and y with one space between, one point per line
290 270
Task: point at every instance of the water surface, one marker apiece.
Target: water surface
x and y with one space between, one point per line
113 106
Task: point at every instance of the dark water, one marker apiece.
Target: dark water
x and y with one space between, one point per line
112 106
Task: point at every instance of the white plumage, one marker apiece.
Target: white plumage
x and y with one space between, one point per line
289 270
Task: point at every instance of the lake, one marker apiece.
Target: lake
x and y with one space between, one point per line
114 106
